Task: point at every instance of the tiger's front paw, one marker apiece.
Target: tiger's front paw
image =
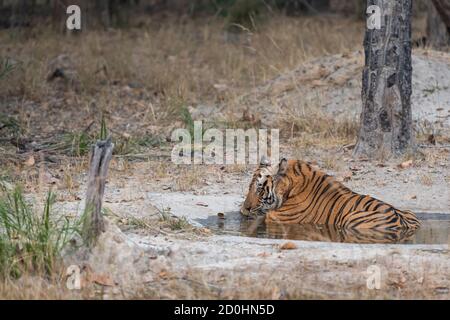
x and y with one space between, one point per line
272 217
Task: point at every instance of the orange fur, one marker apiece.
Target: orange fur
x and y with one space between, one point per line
299 193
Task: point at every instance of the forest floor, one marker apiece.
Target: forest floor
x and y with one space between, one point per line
146 84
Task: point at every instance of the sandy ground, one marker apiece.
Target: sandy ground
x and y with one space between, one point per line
215 266
198 265
220 264
228 259
332 84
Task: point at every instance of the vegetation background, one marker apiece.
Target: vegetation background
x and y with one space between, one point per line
141 68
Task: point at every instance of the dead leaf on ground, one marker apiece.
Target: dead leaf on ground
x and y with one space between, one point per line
278 294
126 135
205 231
89 276
405 164
288 246
30 161
103 280
47 178
220 87
348 147
344 177
252 118
263 254
432 139
318 83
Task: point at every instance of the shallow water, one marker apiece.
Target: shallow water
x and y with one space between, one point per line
435 229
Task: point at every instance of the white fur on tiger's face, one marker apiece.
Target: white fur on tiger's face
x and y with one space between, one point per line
260 197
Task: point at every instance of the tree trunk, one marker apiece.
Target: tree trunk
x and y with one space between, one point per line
386 121
321 5
19 14
438 23
443 8
93 221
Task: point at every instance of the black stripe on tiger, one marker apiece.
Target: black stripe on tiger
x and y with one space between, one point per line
296 192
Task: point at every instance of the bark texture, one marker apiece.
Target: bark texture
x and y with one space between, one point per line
386 121
93 223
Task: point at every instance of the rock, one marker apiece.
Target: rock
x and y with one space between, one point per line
110 261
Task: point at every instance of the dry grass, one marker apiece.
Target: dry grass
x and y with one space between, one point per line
309 279
426 180
30 288
176 64
315 130
332 162
189 178
161 170
143 80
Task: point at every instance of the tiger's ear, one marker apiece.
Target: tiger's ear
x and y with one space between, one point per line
265 162
283 166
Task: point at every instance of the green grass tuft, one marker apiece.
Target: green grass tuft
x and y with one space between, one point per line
173 222
10 124
6 67
78 144
31 242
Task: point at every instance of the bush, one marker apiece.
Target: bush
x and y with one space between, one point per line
6 67
244 12
30 242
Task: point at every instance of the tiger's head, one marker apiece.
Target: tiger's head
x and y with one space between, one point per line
268 188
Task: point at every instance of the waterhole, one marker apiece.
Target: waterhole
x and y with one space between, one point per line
435 229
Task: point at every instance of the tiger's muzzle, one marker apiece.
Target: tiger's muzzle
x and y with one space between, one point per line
252 212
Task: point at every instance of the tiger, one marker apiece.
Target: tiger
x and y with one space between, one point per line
296 192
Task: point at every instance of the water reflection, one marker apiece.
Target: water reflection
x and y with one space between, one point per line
435 230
